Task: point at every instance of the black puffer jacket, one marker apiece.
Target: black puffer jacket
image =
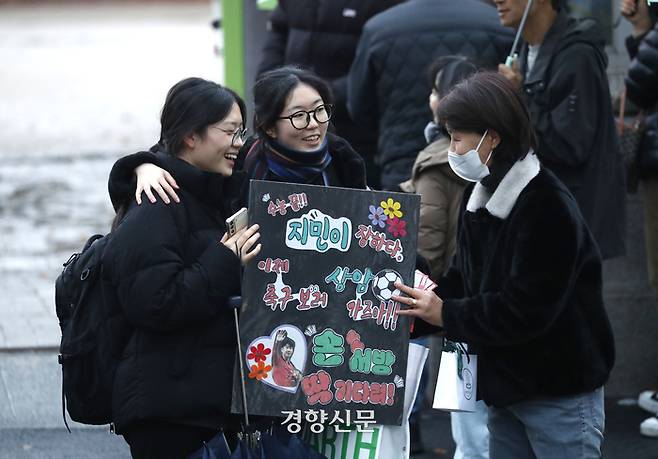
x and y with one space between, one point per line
172 277
569 100
322 36
386 87
642 89
346 170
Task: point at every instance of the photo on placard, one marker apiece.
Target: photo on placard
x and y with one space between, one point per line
278 359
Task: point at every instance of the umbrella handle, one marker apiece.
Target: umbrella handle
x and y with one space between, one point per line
241 362
513 55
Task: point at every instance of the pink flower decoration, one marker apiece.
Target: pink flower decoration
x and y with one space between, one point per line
258 352
397 227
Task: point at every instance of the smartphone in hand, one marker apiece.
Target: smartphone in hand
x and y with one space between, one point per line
237 221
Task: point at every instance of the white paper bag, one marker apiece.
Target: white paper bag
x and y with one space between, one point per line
455 393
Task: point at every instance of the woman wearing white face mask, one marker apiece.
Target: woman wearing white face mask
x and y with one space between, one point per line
524 288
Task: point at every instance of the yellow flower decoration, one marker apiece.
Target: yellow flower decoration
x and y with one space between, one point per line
391 208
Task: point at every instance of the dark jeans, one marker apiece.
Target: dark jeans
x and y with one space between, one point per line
162 440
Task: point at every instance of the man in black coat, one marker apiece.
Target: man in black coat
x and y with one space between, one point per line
562 70
386 89
322 36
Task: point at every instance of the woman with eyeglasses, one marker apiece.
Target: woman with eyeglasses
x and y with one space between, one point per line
292 143
169 270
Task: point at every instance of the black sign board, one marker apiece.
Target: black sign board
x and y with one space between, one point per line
319 330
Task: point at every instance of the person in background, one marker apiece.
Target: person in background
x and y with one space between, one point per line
562 72
642 89
441 193
383 93
524 289
172 268
322 36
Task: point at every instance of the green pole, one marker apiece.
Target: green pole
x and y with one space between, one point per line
232 21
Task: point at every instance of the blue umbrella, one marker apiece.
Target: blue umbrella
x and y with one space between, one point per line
215 448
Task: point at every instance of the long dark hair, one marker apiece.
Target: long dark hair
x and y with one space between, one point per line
272 89
488 100
191 106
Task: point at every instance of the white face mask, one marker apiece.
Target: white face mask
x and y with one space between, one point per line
469 166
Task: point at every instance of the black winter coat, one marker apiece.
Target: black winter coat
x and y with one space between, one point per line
172 277
322 36
642 89
346 170
524 290
569 100
386 87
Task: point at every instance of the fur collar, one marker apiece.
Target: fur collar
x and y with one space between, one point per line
500 203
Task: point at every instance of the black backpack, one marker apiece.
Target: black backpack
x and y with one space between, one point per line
86 350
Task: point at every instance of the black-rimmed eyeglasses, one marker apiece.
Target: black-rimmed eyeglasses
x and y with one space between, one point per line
301 119
240 133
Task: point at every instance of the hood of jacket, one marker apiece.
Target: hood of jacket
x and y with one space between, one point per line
565 32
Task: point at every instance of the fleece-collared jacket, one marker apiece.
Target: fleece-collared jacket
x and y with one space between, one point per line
568 97
172 277
524 290
386 88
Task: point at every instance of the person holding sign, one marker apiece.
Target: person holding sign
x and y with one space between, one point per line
293 111
524 288
172 272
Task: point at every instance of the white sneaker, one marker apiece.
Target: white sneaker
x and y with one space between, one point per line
648 401
649 427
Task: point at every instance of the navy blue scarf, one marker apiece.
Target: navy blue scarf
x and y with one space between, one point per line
293 165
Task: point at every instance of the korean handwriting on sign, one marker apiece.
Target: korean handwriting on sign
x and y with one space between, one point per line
319 232
276 298
311 298
277 266
385 314
295 202
378 241
328 349
317 388
341 275
375 361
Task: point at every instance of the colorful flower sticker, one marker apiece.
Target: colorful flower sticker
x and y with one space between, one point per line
377 217
397 227
259 371
391 208
258 352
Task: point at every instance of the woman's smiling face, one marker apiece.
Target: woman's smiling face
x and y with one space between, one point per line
215 151
302 98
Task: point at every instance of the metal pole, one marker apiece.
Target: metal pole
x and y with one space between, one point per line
513 54
244 392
